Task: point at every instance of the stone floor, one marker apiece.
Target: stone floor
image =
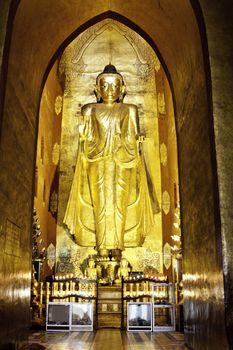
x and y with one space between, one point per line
108 339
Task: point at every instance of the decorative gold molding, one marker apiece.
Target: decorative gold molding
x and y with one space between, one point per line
51 255
167 255
166 202
56 153
163 154
58 104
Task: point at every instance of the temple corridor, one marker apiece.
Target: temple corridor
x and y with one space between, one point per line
106 339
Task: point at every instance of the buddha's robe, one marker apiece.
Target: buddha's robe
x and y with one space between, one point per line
109 205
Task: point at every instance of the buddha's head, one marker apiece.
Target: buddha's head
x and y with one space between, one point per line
110 85
124 263
91 263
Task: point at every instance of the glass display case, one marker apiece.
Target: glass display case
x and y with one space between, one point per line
58 317
63 316
137 288
163 300
81 316
139 316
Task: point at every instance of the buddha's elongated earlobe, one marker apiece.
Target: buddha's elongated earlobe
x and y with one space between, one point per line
123 93
97 93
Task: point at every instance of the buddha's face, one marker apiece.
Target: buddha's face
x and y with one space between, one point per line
124 263
110 88
91 263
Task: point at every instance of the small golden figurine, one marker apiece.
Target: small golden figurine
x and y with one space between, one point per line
91 271
123 270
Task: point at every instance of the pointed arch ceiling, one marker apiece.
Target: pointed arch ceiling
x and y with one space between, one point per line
171 26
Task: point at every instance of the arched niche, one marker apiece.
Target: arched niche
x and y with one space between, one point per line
148 88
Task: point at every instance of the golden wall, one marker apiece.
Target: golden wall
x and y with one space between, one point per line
47 170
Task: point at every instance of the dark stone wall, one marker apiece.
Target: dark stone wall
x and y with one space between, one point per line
4 11
17 150
15 203
8 9
218 16
203 278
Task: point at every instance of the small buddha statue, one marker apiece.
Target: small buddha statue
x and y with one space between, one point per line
91 271
110 206
123 270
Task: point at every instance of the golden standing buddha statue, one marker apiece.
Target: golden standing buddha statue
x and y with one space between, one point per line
110 206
